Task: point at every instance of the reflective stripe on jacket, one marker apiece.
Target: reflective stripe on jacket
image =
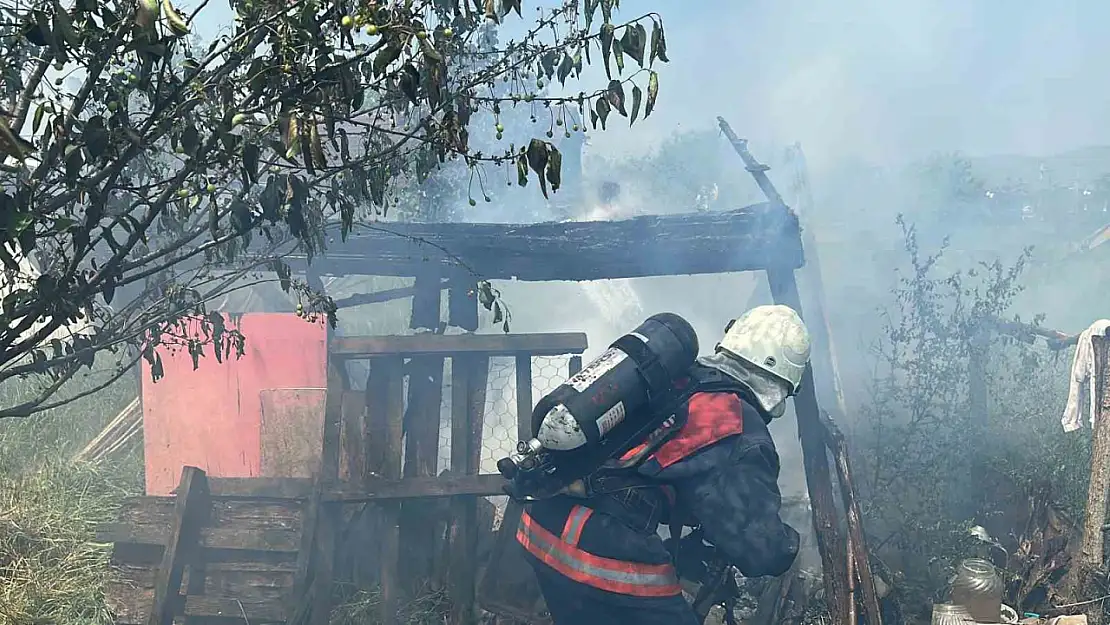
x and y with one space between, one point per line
563 554
643 567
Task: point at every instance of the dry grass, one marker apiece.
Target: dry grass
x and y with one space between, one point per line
51 569
361 608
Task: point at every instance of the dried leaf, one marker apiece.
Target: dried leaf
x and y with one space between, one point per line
555 169
522 170
652 93
615 95
637 98
606 37
409 81
634 42
565 66
658 44
602 108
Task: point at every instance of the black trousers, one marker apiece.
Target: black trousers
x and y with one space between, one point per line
572 603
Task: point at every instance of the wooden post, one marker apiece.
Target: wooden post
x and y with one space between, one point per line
425 395
388 374
574 365
462 304
191 503
468 381
300 605
815 455
859 558
1085 569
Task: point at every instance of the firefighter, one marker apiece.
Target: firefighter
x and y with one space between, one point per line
600 559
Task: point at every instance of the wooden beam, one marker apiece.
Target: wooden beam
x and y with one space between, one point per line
857 541
392 405
376 297
223 538
747 239
553 344
425 394
377 489
189 507
815 456
469 376
462 303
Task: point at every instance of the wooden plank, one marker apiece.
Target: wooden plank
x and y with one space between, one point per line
249 581
333 421
551 344
237 513
323 565
469 376
260 488
190 505
815 456
748 239
245 610
298 604
352 463
391 435
462 303
129 606
292 432
420 488
229 538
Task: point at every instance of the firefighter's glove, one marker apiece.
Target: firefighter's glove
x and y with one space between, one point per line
692 558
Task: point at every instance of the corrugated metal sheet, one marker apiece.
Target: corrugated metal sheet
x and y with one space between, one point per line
212 417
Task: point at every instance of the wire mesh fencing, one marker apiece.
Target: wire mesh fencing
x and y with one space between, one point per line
499 422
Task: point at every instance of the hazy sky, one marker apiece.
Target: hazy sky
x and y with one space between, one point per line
878 79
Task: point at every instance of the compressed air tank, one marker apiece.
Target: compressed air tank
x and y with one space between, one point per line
636 368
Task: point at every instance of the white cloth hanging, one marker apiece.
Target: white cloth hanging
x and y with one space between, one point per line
1082 382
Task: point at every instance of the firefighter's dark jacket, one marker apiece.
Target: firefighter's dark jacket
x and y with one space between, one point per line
721 469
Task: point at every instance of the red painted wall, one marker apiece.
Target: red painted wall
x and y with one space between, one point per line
212 417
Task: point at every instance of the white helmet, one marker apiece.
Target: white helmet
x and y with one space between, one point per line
773 338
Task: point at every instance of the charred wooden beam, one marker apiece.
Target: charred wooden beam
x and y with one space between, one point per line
553 344
747 239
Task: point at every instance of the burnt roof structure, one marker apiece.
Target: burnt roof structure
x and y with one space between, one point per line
758 237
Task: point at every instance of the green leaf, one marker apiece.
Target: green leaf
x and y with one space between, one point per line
40 110
251 153
96 137
64 26
658 44
74 161
190 139
652 93
618 55
602 108
284 274
387 55
637 98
